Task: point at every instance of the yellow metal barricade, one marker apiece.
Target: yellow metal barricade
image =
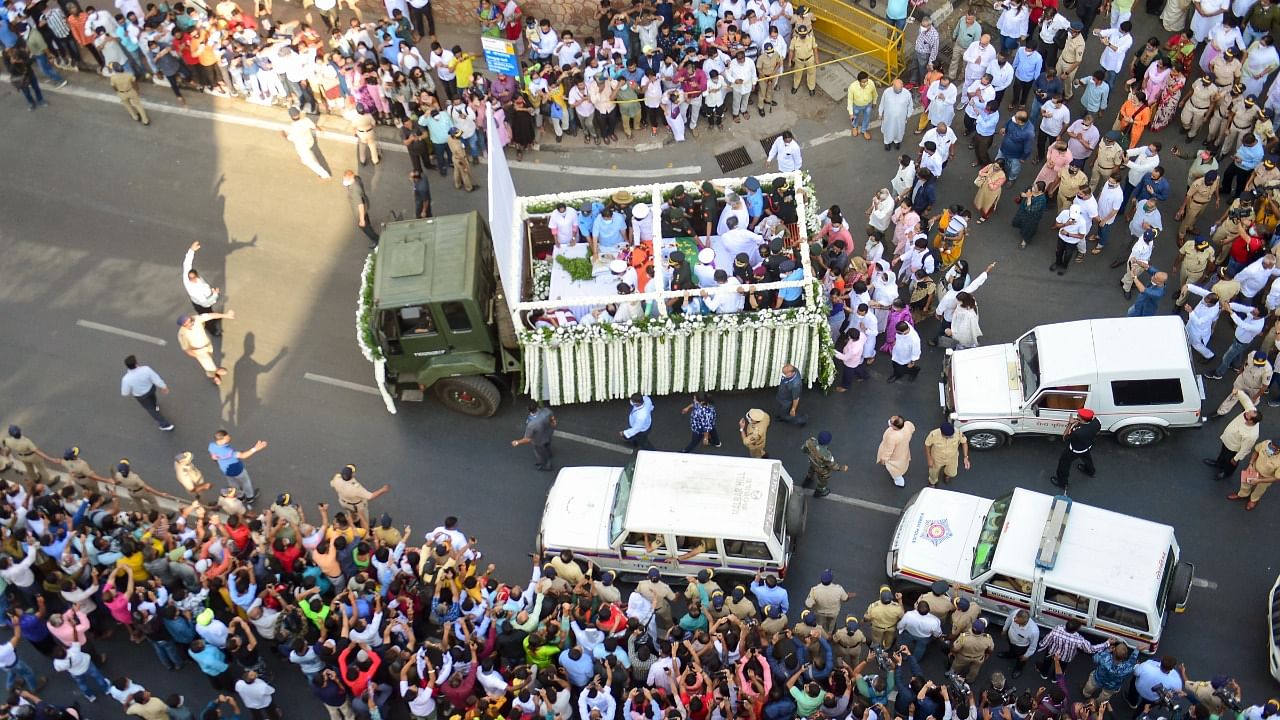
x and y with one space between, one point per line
850 26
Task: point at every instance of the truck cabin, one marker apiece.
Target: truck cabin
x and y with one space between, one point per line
433 289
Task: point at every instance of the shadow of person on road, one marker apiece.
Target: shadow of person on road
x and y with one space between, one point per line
242 399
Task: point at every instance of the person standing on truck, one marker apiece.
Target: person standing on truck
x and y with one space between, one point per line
821 464
1237 438
1080 434
539 428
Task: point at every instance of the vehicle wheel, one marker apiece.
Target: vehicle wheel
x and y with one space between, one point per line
986 439
1139 435
474 396
797 513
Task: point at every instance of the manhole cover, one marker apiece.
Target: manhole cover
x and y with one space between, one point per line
734 159
767 143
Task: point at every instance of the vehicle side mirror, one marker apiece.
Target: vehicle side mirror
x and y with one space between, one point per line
1036 409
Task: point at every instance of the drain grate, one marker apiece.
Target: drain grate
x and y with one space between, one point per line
767 143
733 160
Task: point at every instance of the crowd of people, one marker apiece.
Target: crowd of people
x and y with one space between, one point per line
374 621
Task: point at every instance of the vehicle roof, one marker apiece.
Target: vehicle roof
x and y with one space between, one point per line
1072 353
703 495
421 261
1104 554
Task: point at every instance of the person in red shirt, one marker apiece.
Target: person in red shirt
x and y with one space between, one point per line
1246 248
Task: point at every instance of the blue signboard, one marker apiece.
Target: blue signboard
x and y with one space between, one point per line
500 56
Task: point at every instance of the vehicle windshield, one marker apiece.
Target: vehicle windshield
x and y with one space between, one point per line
1166 584
621 496
1029 360
992 526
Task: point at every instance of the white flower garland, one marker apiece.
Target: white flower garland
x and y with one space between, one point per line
541 271
364 313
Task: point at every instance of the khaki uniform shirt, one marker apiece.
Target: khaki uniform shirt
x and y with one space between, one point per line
1194 261
123 83
1252 378
606 593
1110 156
742 609
691 593
1069 183
1239 435
194 337
962 620
802 47
1202 194
133 483
1072 51
940 606
1202 94
350 492
825 599
22 447
755 434
973 647
1224 73
78 469
803 629
883 616
659 593
849 644
773 626
570 571
1268 466
1245 116
945 450
768 64
1226 290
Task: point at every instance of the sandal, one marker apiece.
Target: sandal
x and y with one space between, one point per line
981 220
1079 257
1096 251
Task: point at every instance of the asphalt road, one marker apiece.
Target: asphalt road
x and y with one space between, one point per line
99 211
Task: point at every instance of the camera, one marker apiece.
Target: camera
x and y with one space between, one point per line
1228 699
1167 706
883 659
1240 213
959 688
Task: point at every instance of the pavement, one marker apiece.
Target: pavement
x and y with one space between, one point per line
99 210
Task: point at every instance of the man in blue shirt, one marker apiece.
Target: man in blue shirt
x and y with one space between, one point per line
984 128
1154 185
438 126
896 12
1244 161
231 462
790 297
1046 86
1148 295
608 232
1019 137
587 213
769 592
578 666
1027 64
639 421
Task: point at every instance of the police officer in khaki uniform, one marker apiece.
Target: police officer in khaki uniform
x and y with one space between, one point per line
362 125
1201 192
825 599
189 476
660 594
768 65
1070 58
1192 263
942 449
352 495
126 87
884 614
740 605
285 509
803 54
971 650
1107 159
717 609
22 449
139 491
79 472
1252 379
754 429
702 587
939 602
1243 117
1236 218
1224 102
1196 106
963 616
461 161
1070 180
605 588
774 621
849 643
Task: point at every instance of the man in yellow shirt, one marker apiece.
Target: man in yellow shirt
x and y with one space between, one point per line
862 97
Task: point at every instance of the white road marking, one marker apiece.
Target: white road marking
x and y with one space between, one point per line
346 384
246 121
857 502
573 437
122 332
839 134
1202 583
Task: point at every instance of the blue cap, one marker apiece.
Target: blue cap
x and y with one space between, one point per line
182 320
15 431
1149 235
654 573
826 577
980 625
824 438
948 429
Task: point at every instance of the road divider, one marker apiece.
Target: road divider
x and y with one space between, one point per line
345 384
121 332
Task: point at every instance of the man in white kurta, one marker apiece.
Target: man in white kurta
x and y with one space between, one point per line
1201 320
1207 16
895 107
977 57
942 96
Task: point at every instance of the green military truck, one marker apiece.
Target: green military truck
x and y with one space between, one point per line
433 316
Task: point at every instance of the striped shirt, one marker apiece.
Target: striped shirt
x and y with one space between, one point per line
927 44
57 21
1064 645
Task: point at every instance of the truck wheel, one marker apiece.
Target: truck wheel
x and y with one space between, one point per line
474 396
797 513
1139 435
986 439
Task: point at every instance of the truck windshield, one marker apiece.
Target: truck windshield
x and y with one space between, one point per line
621 495
992 525
1029 359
